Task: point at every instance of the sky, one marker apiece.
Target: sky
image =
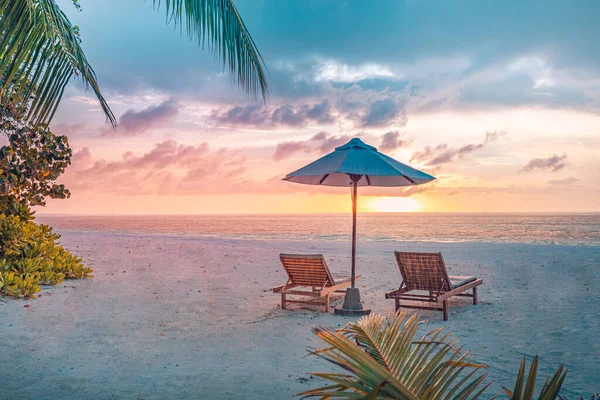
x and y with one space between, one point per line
500 101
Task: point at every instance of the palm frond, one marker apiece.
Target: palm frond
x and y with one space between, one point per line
39 54
384 360
525 386
217 25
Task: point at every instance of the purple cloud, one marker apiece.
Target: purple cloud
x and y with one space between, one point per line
321 112
382 113
321 143
554 163
442 153
287 149
393 140
248 115
494 135
133 123
566 181
284 115
330 142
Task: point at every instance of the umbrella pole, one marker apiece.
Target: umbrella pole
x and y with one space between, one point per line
352 303
354 194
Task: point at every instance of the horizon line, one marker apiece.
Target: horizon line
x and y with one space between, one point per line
37 214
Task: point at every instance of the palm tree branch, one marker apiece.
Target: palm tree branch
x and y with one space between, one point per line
370 350
218 25
361 364
446 381
40 52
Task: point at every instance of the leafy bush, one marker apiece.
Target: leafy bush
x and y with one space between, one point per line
30 164
30 255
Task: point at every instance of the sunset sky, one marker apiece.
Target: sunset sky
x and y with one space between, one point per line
499 100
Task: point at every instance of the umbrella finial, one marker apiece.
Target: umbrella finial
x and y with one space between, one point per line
356 143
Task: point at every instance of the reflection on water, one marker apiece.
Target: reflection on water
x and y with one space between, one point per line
522 228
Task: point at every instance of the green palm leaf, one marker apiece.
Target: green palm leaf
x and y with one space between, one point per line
525 386
217 25
383 360
40 52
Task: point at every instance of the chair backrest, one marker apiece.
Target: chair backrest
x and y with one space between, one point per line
423 271
307 269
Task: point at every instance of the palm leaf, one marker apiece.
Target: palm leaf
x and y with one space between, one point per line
525 386
39 54
383 360
217 25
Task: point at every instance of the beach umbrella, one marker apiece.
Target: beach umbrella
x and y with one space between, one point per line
351 165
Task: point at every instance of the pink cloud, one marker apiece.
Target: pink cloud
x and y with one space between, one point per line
320 143
433 156
168 168
287 149
554 163
393 140
134 123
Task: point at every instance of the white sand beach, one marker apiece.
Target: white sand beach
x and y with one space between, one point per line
181 317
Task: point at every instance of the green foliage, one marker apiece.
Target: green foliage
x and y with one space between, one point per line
30 256
218 25
30 165
12 284
525 387
383 360
40 51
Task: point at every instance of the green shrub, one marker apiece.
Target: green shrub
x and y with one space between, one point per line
12 284
30 256
30 164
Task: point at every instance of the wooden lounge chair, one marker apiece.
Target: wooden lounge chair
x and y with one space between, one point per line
310 272
427 272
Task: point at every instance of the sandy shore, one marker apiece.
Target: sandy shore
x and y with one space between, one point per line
179 317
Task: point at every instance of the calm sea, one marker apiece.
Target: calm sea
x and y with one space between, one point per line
567 229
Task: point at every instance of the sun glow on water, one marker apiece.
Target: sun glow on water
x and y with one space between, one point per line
393 204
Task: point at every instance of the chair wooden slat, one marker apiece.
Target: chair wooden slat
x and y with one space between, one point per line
310 271
427 272
423 271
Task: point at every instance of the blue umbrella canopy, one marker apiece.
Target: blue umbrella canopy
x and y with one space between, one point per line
358 161
351 165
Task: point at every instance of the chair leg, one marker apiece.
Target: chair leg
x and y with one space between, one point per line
327 298
445 305
475 295
397 301
283 304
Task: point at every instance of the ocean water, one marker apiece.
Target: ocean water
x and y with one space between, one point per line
568 229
